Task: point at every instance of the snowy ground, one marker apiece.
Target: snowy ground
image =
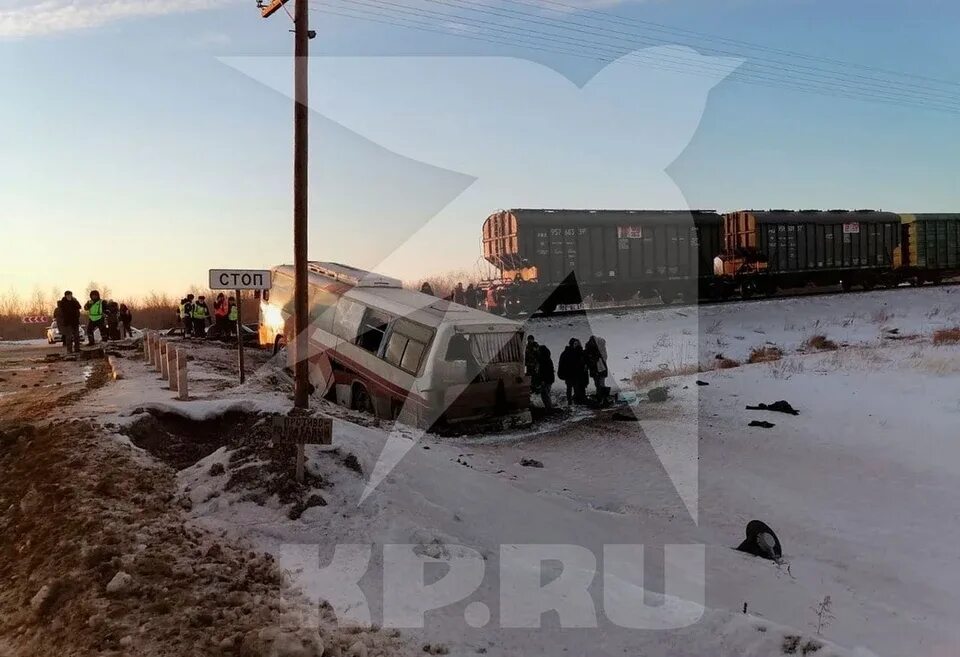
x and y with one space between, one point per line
862 487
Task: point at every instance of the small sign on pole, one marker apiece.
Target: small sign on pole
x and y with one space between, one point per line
239 280
301 431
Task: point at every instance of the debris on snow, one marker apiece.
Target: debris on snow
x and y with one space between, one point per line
781 406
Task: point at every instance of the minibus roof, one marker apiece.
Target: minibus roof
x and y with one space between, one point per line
416 306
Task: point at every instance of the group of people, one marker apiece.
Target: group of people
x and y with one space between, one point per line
194 316
576 366
112 319
472 296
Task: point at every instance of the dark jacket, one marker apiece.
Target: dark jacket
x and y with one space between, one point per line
69 312
596 361
111 310
545 366
126 317
572 366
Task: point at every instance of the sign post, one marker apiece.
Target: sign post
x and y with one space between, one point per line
302 431
239 280
243 374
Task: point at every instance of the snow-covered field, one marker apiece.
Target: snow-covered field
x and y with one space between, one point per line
862 486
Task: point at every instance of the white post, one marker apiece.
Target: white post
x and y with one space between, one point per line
146 346
156 353
172 366
182 393
150 348
164 348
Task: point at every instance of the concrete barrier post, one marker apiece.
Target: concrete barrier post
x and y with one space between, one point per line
148 345
182 392
172 366
156 353
164 348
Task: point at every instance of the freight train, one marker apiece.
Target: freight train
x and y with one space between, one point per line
548 258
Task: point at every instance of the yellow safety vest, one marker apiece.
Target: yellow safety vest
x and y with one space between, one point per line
233 316
96 311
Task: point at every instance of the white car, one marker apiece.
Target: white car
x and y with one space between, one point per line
54 335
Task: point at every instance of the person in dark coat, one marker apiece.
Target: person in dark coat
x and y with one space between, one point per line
531 362
458 294
470 296
596 355
572 370
546 375
426 288
126 321
68 320
111 313
761 541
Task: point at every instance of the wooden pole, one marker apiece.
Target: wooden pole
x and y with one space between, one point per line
146 346
300 187
301 113
243 376
182 392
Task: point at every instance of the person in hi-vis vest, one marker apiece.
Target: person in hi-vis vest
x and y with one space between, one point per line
201 315
94 308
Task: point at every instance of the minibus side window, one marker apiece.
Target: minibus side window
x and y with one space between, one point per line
407 346
372 329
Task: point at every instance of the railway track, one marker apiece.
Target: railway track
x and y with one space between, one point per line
791 294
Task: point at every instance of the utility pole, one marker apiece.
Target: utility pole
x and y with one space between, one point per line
301 51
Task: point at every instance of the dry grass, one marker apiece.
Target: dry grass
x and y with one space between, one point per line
644 378
727 364
821 343
947 336
765 354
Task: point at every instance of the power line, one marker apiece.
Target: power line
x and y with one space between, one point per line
871 90
383 11
581 28
605 16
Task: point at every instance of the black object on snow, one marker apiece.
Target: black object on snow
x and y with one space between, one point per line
779 407
531 463
702 383
762 424
620 416
658 394
761 541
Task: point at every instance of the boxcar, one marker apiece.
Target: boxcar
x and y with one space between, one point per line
770 250
561 256
930 249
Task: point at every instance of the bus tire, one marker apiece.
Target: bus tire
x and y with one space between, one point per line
278 344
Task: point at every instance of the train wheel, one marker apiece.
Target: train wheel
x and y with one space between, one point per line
869 284
361 399
846 285
748 289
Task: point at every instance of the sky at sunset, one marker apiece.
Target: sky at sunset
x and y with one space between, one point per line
144 142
